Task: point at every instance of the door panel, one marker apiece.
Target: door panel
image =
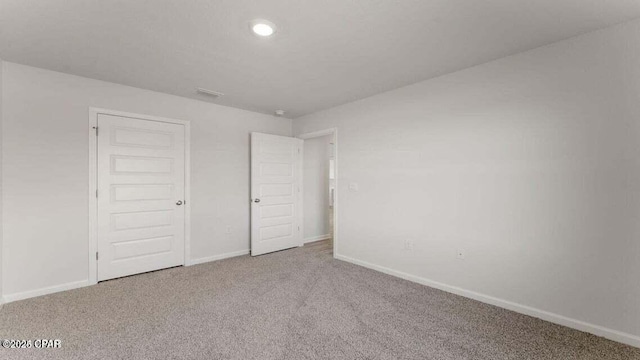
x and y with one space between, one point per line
141 192
275 186
140 179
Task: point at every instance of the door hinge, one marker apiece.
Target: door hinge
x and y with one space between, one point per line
95 127
96 255
96 193
298 150
298 228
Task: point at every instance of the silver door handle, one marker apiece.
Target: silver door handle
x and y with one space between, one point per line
256 200
179 202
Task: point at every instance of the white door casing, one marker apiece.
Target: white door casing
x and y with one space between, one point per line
276 163
334 133
140 195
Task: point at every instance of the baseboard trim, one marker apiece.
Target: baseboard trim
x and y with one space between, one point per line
218 257
317 238
44 291
78 284
597 330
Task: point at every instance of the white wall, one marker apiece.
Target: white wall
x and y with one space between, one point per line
316 187
1 202
45 144
530 164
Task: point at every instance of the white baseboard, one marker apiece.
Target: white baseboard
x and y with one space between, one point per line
44 291
610 334
317 238
218 257
78 284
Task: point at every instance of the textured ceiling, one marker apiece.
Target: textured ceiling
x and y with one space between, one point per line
326 52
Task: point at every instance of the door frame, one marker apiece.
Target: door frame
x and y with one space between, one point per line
93 183
311 135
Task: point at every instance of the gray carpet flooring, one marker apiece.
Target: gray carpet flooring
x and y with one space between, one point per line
294 304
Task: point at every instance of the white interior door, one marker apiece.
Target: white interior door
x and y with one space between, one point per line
141 180
275 193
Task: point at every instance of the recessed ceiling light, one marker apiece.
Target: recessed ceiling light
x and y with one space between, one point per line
263 28
209 92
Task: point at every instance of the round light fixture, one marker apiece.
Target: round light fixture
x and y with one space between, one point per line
263 28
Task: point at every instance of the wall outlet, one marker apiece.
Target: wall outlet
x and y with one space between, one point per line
460 254
353 187
408 244
228 230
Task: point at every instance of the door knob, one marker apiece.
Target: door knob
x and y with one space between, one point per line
256 200
179 202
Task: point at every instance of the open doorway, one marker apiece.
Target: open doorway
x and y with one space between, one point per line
319 189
